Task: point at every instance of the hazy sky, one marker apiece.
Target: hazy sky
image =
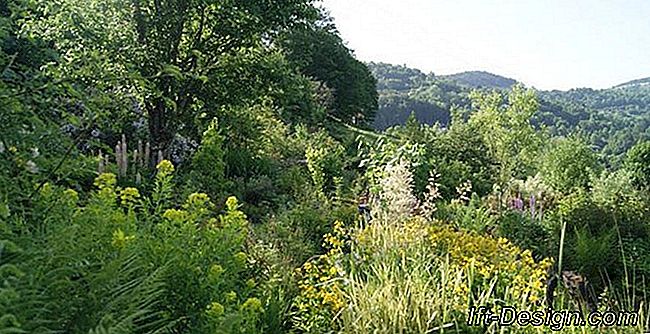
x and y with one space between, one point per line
547 44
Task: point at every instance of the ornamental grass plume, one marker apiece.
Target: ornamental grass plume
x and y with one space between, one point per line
395 200
428 206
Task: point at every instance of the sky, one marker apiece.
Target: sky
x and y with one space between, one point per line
546 44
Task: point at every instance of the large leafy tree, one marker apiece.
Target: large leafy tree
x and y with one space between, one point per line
507 130
159 53
188 38
319 52
569 164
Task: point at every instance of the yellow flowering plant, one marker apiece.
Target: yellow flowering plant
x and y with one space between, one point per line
319 282
129 197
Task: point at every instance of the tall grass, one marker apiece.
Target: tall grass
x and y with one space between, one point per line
396 288
410 274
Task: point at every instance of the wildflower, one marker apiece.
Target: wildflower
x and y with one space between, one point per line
197 200
31 167
105 181
198 205
129 196
339 227
175 215
240 259
250 283
252 305
396 196
531 204
231 203
47 190
215 309
463 191
71 195
231 296
165 167
215 271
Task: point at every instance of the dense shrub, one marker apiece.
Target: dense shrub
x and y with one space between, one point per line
125 261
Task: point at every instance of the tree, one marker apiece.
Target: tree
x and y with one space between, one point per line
162 52
318 51
506 129
568 164
638 162
187 39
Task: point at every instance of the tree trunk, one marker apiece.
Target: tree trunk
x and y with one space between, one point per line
158 127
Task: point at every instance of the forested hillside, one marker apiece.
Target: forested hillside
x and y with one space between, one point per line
191 166
612 120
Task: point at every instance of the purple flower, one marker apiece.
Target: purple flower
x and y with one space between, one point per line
531 204
519 204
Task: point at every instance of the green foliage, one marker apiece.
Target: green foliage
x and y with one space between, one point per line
282 216
298 232
638 162
612 120
319 52
165 50
603 229
142 278
208 167
469 214
459 155
568 164
481 79
324 157
527 232
506 128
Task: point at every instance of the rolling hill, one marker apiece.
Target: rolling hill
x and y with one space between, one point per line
481 79
612 119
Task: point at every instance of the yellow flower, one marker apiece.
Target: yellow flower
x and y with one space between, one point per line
250 283
106 181
197 200
252 305
175 215
215 309
165 167
240 259
231 296
71 195
231 203
215 271
129 196
47 190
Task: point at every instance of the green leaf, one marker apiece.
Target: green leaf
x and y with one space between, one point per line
173 71
4 211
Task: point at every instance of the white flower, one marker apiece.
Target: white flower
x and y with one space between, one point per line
31 167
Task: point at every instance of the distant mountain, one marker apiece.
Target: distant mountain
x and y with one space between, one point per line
396 77
481 79
634 83
612 120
